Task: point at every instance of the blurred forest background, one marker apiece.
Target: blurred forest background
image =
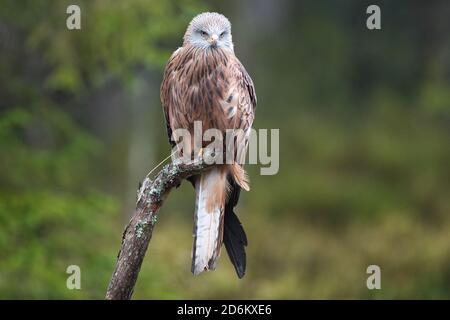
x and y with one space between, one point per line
364 119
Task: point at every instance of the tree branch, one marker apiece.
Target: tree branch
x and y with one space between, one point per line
138 233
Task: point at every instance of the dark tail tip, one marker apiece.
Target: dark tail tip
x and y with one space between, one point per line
235 241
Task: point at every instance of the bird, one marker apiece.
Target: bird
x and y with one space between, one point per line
205 81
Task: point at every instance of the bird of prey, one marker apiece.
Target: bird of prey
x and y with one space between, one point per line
204 81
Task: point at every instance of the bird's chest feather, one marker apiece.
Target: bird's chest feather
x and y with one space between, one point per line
202 86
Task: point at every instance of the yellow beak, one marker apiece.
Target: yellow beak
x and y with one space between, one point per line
213 39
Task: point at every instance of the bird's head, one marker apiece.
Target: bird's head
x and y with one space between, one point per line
209 30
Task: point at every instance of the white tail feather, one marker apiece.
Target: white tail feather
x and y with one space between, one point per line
210 196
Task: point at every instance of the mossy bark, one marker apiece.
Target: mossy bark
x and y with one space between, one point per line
138 233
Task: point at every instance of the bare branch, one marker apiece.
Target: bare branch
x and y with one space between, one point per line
138 232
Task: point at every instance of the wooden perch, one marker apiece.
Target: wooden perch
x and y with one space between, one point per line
138 232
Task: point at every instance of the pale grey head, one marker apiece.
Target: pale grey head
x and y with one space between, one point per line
209 30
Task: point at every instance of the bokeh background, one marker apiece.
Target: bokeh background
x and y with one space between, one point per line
364 119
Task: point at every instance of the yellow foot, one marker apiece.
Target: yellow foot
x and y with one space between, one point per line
200 152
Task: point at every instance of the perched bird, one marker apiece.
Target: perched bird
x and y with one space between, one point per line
204 81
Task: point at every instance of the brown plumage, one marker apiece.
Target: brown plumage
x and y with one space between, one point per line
204 81
210 86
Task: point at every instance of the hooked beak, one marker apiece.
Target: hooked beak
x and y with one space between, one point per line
213 40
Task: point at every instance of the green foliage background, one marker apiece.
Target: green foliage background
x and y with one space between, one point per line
364 119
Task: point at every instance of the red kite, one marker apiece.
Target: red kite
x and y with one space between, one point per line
204 81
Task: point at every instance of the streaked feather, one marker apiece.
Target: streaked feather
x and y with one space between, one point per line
210 201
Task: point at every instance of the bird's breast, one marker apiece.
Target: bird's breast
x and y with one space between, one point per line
203 84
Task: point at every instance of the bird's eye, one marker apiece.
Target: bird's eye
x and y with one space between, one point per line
203 33
223 34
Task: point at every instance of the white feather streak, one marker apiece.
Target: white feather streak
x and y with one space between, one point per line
207 223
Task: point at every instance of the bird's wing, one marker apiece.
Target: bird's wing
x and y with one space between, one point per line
234 236
247 84
166 94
